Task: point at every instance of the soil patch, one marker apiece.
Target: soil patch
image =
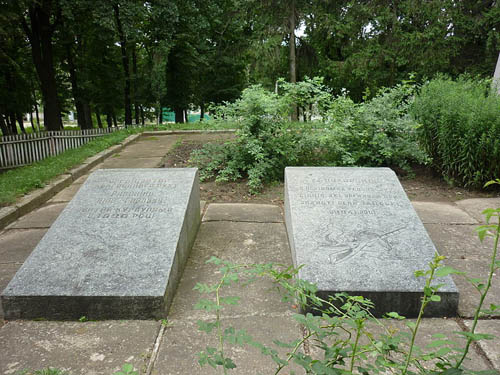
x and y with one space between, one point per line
424 186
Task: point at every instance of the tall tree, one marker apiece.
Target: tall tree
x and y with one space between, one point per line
39 23
125 63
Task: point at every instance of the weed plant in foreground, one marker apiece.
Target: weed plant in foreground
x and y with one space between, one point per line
348 336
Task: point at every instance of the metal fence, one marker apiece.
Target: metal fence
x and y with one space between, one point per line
24 149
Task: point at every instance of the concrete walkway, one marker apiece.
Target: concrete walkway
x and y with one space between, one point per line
240 233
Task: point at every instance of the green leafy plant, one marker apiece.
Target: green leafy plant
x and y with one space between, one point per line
378 132
460 128
127 369
263 147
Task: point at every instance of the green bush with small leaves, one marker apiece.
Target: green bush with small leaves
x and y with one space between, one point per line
460 128
263 148
378 132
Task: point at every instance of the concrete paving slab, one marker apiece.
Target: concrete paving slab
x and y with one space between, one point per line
459 241
243 212
182 342
66 195
442 213
490 347
149 146
40 218
469 297
17 244
39 197
80 348
203 137
118 162
239 243
82 179
476 206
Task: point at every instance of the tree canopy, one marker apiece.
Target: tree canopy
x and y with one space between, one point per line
125 60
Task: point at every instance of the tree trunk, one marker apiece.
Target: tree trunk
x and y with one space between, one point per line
98 117
80 111
40 37
143 121
123 47
11 120
186 118
37 114
109 120
114 119
160 115
134 71
20 120
31 122
293 59
3 126
202 111
179 115
88 114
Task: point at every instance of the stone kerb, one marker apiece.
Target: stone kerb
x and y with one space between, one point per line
355 231
117 251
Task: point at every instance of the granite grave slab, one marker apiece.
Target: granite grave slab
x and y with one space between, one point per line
355 231
117 250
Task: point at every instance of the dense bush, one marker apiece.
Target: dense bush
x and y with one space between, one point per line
263 148
376 133
460 129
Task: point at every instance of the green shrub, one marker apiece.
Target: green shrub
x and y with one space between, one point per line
263 148
377 133
460 128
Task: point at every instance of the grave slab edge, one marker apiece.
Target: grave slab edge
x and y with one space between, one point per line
182 252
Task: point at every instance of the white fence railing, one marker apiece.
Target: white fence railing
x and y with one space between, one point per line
24 149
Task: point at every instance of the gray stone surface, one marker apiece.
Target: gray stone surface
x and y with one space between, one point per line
67 194
355 231
183 341
119 162
476 206
42 217
490 347
243 212
459 241
260 311
469 297
17 244
90 348
442 213
148 147
239 243
116 251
